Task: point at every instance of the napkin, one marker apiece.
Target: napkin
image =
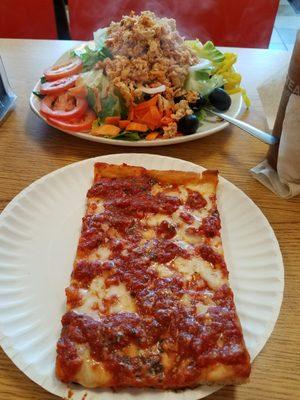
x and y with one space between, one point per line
285 182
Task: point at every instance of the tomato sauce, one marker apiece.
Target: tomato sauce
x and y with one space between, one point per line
208 254
195 200
68 361
187 217
166 230
210 226
162 319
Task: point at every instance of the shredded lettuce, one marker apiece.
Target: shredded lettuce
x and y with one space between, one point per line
110 106
38 94
207 51
94 52
203 86
220 73
102 97
131 136
90 57
92 78
99 38
202 74
201 114
205 80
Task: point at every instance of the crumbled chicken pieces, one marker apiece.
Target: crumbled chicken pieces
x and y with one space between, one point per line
191 96
181 109
170 130
146 49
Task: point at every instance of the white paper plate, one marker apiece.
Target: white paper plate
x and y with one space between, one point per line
39 230
206 128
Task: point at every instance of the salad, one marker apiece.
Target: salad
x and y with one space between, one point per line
139 79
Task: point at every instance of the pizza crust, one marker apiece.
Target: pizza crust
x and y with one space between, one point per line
165 177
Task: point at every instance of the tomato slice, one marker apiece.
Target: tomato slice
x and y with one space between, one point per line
63 70
82 124
64 106
59 86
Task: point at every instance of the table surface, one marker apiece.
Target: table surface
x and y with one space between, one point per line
30 149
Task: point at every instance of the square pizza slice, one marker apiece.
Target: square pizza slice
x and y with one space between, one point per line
149 303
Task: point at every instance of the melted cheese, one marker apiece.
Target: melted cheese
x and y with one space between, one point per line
100 207
91 371
181 234
168 360
149 234
156 219
98 292
181 191
199 266
102 254
216 244
205 189
201 308
162 270
186 300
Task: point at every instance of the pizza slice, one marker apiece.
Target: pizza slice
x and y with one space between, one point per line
149 303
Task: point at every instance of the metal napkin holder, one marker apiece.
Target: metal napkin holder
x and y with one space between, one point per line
7 96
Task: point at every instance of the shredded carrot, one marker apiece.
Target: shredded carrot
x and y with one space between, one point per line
152 135
112 120
134 126
123 123
146 119
147 104
156 115
105 130
131 113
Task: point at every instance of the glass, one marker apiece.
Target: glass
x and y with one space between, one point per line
292 86
7 96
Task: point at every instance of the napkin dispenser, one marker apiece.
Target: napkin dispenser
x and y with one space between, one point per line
7 96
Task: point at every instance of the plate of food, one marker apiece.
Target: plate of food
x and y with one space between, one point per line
139 83
149 307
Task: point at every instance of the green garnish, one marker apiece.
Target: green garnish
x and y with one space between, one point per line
130 136
90 57
38 94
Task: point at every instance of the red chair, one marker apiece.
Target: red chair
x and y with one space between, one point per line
31 19
240 23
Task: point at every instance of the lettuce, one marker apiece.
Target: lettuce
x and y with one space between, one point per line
92 78
38 94
90 57
101 95
203 86
110 106
207 51
99 38
131 136
91 54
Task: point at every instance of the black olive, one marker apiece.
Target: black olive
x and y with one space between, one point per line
146 96
199 103
177 99
188 124
220 99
